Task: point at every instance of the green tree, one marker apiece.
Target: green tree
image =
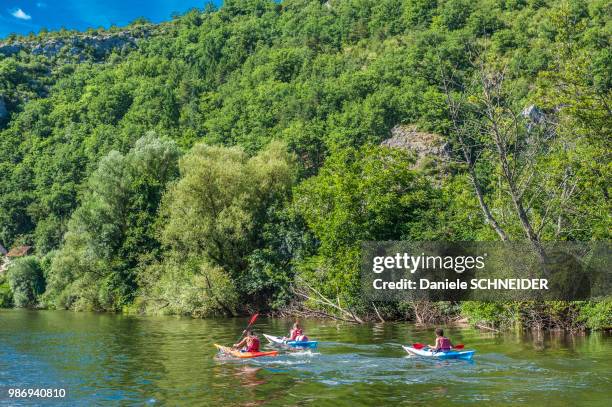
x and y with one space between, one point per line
113 227
25 278
361 195
217 209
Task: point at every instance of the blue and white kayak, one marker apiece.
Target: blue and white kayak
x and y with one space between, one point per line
451 354
275 340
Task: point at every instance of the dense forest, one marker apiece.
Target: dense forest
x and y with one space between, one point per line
233 159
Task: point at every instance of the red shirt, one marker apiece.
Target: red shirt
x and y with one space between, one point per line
444 343
253 344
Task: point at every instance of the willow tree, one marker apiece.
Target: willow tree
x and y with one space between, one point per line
113 228
212 220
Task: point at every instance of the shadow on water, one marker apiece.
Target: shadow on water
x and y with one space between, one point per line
130 360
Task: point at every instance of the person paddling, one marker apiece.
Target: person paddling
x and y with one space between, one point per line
443 344
250 343
296 333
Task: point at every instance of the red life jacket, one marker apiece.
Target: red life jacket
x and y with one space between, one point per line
254 345
295 333
445 344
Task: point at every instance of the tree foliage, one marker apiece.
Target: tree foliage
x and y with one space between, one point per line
214 215
26 281
107 234
362 195
279 110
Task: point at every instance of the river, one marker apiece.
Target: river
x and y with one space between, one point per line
105 359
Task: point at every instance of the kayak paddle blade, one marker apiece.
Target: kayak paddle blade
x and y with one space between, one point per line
252 320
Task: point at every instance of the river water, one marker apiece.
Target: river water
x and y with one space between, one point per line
104 359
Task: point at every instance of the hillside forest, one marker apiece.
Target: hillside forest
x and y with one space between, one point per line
233 159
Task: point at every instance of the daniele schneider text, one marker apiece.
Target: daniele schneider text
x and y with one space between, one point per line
460 264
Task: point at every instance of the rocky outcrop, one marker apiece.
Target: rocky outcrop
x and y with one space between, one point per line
423 144
533 114
534 117
77 45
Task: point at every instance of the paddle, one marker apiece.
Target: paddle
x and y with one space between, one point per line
251 321
421 346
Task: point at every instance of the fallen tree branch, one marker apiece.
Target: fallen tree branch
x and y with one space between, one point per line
488 328
321 299
378 313
297 311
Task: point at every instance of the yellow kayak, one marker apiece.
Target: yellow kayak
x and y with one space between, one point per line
244 355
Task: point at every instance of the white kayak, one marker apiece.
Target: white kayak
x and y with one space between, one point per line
451 354
275 340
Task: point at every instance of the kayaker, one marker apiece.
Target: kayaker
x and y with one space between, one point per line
443 344
296 333
250 343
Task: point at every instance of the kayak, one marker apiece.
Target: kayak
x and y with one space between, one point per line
275 340
452 354
244 355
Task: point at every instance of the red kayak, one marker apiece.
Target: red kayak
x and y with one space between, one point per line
244 355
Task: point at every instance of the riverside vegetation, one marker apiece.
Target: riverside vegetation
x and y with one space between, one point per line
233 160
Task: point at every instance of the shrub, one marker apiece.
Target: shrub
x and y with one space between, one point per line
26 281
188 286
495 314
6 295
597 315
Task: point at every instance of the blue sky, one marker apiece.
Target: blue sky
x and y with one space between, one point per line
24 16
